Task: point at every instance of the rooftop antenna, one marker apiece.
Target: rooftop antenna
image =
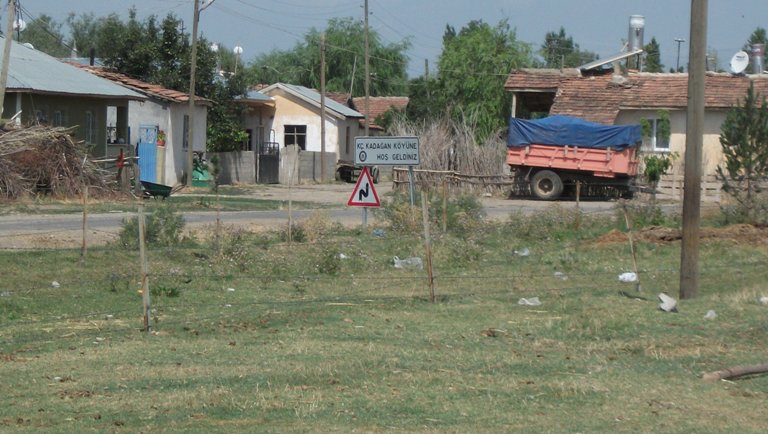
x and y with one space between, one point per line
739 62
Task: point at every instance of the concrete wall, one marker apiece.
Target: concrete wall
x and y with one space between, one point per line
304 166
235 167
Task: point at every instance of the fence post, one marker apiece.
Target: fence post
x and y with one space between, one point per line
428 246
144 272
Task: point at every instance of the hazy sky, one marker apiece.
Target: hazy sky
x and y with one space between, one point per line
260 26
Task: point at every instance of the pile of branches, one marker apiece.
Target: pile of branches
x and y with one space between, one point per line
45 160
450 146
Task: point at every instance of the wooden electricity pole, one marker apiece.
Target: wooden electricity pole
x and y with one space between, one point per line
367 71
191 110
322 107
7 51
694 138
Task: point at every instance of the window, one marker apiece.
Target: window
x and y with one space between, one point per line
296 135
58 119
185 141
656 132
247 144
90 128
347 143
657 141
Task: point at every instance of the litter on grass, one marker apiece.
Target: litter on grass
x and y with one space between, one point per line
628 277
412 262
533 301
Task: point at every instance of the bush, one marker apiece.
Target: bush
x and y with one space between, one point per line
163 227
464 214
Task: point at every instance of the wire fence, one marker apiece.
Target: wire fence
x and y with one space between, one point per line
60 296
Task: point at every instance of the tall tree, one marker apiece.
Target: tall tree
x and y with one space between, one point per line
757 37
559 50
44 33
744 141
653 57
472 69
345 56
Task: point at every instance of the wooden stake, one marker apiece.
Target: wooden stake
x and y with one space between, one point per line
144 272
578 204
735 372
445 206
428 246
84 247
631 243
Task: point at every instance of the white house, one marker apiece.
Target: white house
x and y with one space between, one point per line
157 128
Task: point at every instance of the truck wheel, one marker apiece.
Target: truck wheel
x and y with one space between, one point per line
338 175
546 185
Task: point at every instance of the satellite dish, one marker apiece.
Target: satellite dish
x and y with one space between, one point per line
739 62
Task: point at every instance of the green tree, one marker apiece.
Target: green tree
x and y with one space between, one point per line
757 37
744 141
653 57
472 69
345 54
44 33
559 50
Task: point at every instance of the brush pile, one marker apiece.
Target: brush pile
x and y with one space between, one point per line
45 160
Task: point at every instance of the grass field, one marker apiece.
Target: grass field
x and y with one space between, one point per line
255 334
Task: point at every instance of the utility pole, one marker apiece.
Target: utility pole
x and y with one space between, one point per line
426 76
192 72
322 106
7 51
679 41
367 71
694 140
191 112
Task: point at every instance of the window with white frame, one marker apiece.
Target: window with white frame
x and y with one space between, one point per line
656 132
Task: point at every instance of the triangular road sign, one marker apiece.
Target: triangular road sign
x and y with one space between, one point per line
364 193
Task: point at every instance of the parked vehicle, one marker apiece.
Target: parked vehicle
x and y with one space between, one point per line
554 153
349 171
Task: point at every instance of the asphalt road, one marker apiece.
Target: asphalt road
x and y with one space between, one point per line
21 224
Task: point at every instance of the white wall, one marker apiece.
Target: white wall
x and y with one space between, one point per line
169 117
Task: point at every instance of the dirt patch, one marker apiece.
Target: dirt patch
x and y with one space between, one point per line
747 234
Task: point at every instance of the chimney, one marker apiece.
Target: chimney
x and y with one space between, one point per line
636 26
758 58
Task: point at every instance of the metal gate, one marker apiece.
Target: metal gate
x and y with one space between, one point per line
268 163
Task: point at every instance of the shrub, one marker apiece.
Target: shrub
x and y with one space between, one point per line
163 227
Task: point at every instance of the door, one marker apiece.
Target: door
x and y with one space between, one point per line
147 152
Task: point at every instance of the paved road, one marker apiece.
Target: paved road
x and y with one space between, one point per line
23 225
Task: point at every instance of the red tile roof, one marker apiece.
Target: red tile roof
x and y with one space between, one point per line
378 105
599 98
538 79
151 90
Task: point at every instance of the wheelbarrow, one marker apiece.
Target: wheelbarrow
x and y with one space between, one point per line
158 190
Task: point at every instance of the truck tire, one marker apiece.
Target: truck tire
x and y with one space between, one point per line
375 174
546 185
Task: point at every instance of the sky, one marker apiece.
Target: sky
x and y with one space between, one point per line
260 26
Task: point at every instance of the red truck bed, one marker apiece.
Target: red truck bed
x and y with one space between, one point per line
606 163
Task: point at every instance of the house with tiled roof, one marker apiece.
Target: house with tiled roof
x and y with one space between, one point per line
630 98
377 107
42 89
156 129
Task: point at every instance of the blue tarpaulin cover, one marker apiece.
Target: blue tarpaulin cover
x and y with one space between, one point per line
570 131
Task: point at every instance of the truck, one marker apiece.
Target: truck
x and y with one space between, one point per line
348 171
555 153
